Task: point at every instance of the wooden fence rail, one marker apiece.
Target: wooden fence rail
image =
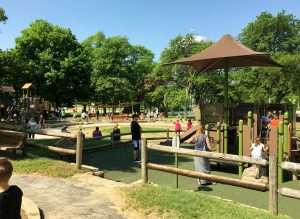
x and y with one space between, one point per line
273 171
212 155
219 179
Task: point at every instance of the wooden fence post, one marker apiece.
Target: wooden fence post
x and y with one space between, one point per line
240 146
79 145
218 137
168 134
112 140
273 185
144 162
225 136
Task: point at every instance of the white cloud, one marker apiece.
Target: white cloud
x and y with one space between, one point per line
201 38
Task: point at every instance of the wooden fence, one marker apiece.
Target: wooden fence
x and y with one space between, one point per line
273 164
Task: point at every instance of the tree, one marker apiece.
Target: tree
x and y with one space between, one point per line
3 17
55 62
279 35
11 70
178 82
119 68
273 34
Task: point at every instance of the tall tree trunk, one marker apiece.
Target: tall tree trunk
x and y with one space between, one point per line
165 103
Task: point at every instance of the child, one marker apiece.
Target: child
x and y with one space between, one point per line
177 126
117 132
31 125
189 124
257 148
10 196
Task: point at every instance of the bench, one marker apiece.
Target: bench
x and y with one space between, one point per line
12 140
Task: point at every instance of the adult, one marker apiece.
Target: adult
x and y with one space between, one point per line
116 132
97 133
202 143
136 134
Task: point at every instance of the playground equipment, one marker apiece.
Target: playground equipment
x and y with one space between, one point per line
4 100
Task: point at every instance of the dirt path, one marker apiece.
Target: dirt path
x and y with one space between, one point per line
83 196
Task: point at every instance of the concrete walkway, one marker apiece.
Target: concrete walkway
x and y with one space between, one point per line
83 196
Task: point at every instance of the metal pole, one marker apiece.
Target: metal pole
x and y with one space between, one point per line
280 151
285 132
226 106
144 162
79 145
176 158
218 136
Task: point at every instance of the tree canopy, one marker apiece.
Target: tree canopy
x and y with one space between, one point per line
119 68
55 62
280 36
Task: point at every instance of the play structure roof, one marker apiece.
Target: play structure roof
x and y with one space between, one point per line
7 89
227 52
28 86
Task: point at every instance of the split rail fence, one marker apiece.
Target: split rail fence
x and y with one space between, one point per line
273 164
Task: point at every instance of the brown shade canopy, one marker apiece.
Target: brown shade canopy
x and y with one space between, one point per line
227 52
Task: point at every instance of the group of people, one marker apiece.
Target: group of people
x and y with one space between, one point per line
189 125
97 134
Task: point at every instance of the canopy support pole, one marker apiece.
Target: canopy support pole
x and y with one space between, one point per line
226 107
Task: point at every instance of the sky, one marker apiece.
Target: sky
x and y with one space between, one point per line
151 23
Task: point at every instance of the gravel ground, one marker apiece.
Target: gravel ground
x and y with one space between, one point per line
83 196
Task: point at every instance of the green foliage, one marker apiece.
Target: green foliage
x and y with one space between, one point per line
268 84
273 34
119 68
3 16
279 35
173 85
55 62
173 203
11 70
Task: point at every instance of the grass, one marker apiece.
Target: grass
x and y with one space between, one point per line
168 202
118 166
42 166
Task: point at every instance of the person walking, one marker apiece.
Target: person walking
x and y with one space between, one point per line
136 134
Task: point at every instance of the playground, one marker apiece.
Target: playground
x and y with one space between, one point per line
117 165
86 138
